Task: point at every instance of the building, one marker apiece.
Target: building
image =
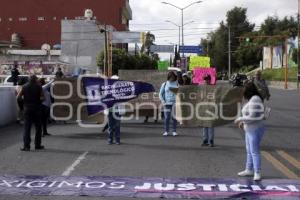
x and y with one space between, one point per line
37 22
81 43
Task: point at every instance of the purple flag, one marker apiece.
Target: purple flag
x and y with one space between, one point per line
104 93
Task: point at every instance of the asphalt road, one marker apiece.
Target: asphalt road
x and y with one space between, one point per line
145 153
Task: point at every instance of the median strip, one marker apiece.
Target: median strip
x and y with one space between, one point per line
290 159
279 166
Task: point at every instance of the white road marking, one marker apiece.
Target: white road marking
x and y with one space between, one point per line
71 168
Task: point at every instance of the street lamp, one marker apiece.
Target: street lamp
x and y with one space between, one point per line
179 28
181 9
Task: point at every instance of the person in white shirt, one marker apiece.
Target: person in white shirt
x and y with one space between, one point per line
252 122
46 104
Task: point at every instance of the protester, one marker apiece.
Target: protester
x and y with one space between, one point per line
114 121
59 73
208 132
168 99
251 122
261 85
32 94
186 79
15 75
46 104
20 118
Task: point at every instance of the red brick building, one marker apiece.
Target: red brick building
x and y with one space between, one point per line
39 21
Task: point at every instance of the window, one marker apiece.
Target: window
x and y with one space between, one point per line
54 18
10 19
0 19
22 19
41 18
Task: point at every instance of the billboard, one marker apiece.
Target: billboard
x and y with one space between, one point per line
199 62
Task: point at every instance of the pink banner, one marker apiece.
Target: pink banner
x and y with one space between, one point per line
200 73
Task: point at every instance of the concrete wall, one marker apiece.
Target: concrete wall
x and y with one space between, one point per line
20 58
8 105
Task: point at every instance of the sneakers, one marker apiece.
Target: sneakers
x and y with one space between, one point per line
174 134
257 177
246 173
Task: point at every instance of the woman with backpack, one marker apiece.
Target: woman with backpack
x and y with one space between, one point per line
168 99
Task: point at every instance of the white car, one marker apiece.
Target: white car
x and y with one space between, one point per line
22 79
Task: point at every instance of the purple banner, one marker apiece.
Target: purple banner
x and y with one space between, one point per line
104 93
190 188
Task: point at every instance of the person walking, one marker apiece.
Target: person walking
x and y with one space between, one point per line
252 123
208 132
15 75
32 94
168 99
46 104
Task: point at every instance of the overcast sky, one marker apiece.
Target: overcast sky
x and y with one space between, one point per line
152 14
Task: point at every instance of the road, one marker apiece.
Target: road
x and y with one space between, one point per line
144 152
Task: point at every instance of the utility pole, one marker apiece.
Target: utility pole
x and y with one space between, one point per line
182 31
286 63
298 49
229 52
106 52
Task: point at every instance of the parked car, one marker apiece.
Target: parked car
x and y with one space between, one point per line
22 79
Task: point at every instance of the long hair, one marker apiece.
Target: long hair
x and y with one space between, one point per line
172 74
251 90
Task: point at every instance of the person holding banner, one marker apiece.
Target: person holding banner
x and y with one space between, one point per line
114 121
168 99
251 122
208 132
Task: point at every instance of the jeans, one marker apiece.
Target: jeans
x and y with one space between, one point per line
114 124
208 135
253 139
169 112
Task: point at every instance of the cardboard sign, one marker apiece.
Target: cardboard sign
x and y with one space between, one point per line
208 105
199 62
200 73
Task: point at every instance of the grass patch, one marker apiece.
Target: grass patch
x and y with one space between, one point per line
279 74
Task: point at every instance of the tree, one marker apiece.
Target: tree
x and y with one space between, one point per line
122 60
176 57
237 21
149 40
